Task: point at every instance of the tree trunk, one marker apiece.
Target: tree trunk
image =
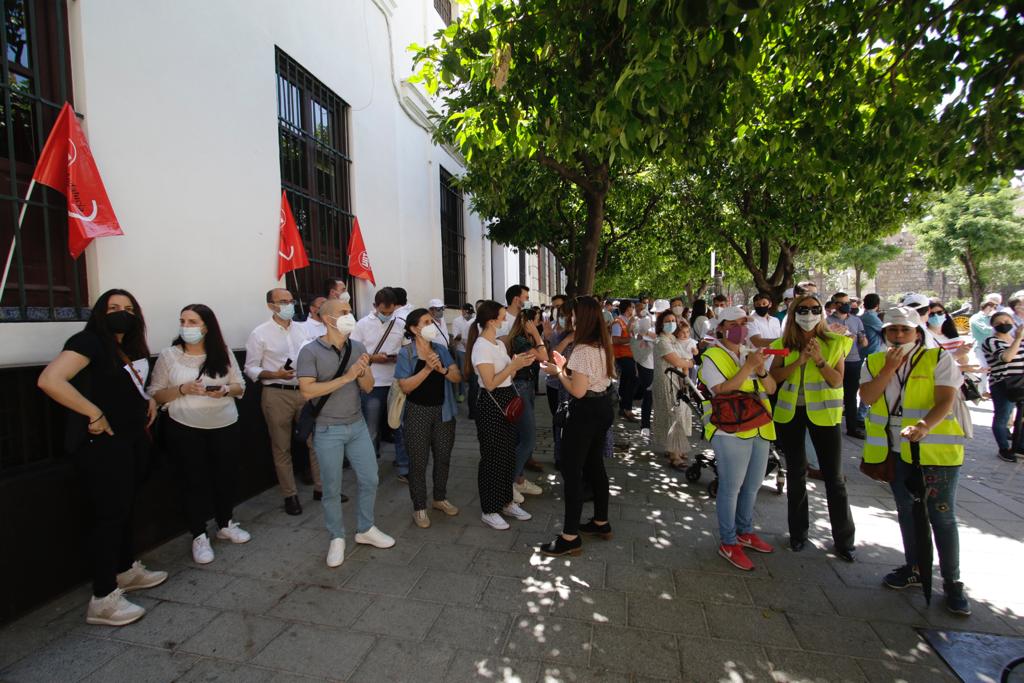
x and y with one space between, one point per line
776 282
856 280
587 258
973 279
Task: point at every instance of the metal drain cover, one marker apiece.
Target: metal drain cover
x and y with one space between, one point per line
979 657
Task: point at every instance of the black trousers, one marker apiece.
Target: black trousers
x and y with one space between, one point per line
851 385
828 444
472 395
207 465
582 458
644 379
627 382
111 470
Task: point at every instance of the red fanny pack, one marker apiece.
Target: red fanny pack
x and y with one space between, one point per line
738 412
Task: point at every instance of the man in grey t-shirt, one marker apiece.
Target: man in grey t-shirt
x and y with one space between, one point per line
340 428
854 326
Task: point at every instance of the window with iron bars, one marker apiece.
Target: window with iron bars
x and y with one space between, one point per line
444 9
45 283
453 243
316 175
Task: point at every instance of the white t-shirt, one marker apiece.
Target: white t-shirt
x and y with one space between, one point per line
947 374
174 367
768 328
485 352
643 344
460 328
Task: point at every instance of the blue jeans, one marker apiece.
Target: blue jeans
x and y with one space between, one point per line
741 467
375 411
526 428
460 388
1002 410
334 443
941 485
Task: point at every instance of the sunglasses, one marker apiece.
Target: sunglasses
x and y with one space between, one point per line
804 310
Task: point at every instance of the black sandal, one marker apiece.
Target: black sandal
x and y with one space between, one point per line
560 546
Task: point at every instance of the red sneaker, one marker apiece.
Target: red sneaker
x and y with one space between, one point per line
736 556
754 542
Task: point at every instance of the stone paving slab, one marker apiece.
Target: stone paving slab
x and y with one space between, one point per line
462 602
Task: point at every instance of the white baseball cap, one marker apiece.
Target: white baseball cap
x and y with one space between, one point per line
788 294
661 305
902 315
915 300
435 303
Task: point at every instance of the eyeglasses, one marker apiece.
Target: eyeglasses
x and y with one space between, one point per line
284 302
804 310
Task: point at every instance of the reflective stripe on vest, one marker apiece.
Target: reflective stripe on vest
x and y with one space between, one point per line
727 366
824 403
944 444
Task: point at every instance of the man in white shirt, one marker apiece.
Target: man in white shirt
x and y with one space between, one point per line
313 325
763 328
381 332
460 333
270 355
337 289
517 297
436 308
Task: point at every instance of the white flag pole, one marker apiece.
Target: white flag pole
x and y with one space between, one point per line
298 295
14 238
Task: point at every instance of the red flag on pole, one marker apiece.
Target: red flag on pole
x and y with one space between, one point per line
291 255
358 259
66 165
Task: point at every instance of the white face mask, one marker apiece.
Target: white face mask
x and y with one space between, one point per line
191 335
905 348
429 332
677 310
808 321
345 324
344 297
286 311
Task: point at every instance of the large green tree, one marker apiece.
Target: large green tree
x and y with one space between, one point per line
975 229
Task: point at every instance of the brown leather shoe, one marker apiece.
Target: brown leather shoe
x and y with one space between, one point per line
421 519
445 507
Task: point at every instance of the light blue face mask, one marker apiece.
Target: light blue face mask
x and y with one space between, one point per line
191 335
669 327
935 320
561 321
287 311
383 318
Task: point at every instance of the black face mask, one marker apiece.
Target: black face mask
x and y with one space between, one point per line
854 311
844 308
121 322
1002 328
762 310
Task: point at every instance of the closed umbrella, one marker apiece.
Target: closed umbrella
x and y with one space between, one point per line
918 489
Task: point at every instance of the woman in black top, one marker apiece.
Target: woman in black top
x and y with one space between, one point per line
1005 357
100 376
428 375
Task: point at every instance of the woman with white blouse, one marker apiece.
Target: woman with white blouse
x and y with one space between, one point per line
197 378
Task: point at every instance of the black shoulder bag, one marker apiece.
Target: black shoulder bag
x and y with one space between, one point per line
306 423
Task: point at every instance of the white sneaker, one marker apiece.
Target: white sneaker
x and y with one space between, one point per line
234 533
528 488
375 537
513 510
336 552
202 553
113 610
138 578
516 496
494 520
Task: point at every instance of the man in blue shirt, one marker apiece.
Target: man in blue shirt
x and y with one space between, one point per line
851 372
872 324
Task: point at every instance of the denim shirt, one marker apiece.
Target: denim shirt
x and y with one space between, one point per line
405 367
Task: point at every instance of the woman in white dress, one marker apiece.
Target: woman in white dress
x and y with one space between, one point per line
672 419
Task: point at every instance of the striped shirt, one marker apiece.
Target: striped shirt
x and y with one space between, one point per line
993 348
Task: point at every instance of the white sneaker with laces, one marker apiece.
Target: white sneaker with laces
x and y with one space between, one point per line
113 610
202 553
138 577
494 520
336 552
513 510
375 537
516 496
234 533
529 488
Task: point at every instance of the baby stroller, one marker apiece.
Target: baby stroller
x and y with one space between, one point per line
695 396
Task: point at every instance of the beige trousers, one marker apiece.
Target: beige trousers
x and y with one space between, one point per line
281 407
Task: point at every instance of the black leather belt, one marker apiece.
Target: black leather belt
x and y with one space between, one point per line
289 387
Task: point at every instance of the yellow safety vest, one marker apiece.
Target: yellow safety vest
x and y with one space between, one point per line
944 444
824 403
727 366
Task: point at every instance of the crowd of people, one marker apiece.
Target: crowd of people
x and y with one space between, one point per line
787 373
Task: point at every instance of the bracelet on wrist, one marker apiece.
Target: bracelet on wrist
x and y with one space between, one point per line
101 416
182 393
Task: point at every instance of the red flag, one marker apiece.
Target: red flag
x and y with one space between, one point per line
66 165
358 259
291 255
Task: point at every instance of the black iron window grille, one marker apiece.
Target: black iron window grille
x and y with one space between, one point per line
45 283
444 9
453 243
316 173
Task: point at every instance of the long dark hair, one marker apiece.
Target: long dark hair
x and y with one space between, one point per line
948 327
590 330
133 344
700 307
413 319
485 313
216 363
519 326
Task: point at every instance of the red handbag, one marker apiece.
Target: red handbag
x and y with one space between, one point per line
514 410
738 412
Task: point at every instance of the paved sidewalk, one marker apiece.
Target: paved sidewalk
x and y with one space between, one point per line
461 602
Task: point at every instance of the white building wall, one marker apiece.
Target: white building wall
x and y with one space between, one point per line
180 106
